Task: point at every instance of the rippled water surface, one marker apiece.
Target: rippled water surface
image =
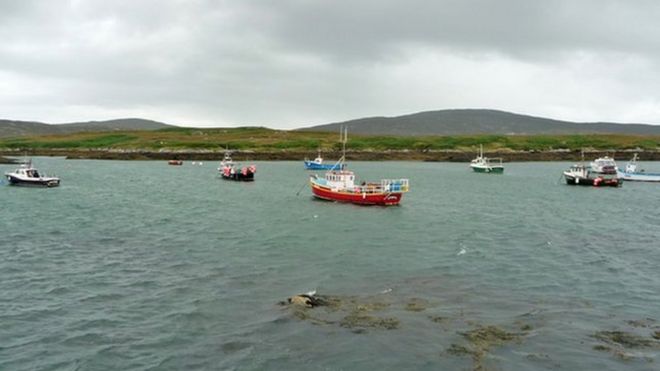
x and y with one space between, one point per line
140 265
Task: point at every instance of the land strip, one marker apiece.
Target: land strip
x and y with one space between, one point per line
255 143
443 156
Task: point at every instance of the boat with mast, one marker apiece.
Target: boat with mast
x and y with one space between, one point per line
483 164
633 173
342 186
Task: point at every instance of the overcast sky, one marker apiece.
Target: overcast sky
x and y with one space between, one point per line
293 63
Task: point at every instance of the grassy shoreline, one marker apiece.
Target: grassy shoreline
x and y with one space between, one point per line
440 156
256 143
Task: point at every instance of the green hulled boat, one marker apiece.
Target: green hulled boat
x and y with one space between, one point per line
483 164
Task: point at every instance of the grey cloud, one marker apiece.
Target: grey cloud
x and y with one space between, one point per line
347 29
294 62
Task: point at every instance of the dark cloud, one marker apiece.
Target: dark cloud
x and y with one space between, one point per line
295 62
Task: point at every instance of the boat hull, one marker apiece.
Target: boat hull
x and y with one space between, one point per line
488 170
382 199
592 182
48 182
309 165
239 177
639 177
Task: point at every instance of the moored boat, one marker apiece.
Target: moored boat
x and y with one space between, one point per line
600 173
230 170
341 186
604 165
483 164
175 162
633 173
317 164
28 176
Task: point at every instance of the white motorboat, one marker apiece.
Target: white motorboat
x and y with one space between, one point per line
28 176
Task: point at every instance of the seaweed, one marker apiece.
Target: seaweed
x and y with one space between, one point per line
438 319
353 311
624 339
643 323
417 305
481 340
361 320
618 343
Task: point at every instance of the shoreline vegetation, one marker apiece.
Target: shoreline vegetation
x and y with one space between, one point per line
255 143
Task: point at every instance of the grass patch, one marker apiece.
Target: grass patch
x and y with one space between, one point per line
102 141
262 139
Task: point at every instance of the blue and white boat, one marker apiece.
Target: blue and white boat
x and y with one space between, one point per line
632 173
28 176
317 164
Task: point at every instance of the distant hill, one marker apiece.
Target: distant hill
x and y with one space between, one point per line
478 121
9 128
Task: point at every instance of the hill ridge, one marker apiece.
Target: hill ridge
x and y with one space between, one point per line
17 128
470 121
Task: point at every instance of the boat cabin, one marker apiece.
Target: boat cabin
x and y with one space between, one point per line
28 173
604 165
340 179
631 167
578 170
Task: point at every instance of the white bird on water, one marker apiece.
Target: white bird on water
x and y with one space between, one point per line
463 251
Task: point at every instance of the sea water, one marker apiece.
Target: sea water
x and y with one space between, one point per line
143 266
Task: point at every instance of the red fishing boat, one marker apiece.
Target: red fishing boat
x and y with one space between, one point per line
341 186
175 162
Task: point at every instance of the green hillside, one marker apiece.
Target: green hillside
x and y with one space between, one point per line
262 140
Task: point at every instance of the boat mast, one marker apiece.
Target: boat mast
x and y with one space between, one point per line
343 138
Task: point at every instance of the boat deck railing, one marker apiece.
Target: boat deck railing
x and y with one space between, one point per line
392 185
385 185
